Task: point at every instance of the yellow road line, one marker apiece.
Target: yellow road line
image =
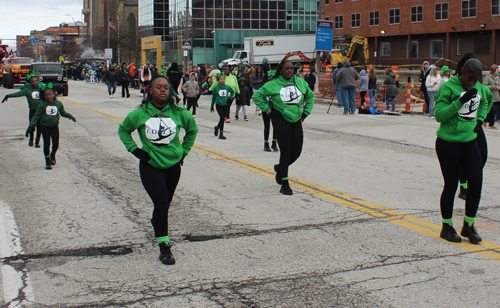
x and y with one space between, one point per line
491 250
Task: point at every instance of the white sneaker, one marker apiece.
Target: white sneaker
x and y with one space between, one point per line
111 96
432 117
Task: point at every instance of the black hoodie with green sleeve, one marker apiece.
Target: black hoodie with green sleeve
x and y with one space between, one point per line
291 97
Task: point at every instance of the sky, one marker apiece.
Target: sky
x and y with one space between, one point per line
19 17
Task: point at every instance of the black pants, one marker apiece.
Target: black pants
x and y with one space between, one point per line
362 95
490 119
160 185
49 133
38 127
426 98
184 98
451 157
483 149
229 103
191 102
125 88
222 111
290 138
267 126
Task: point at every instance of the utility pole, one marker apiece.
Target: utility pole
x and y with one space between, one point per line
91 23
318 53
107 23
185 51
118 21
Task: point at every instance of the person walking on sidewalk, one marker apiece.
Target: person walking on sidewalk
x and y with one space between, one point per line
48 113
492 81
242 99
222 93
159 121
111 81
432 84
185 78
191 90
372 86
32 94
346 77
290 104
461 106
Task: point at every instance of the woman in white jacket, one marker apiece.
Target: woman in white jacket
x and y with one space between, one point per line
432 83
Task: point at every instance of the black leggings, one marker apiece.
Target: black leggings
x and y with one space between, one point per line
49 133
38 127
267 126
125 88
160 185
229 103
290 138
362 95
222 111
191 102
483 149
451 156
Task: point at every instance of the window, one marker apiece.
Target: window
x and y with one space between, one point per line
414 49
458 47
339 22
374 18
417 13
495 7
394 16
356 20
385 49
327 18
468 8
339 1
327 2
436 49
442 11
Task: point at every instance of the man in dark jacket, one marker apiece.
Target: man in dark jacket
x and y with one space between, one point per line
124 79
423 76
310 79
335 82
111 80
346 77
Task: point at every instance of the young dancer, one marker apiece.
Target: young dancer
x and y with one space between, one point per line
158 121
231 81
48 113
221 95
242 99
266 118
461 106
32 94
191 90
292 101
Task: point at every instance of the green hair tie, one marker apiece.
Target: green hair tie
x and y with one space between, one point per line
219 75
269 74
28 77
45 86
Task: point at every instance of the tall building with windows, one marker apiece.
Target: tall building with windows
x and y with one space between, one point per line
216 28
410 32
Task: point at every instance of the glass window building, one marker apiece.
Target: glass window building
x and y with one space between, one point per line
211 24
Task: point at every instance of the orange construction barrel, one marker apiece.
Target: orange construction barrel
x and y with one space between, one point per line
395 69
329 71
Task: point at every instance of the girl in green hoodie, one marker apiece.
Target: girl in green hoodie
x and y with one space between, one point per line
291 102
158 121
47 114
462 104
231 81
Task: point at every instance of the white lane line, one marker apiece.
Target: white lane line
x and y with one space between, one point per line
314 131
16 284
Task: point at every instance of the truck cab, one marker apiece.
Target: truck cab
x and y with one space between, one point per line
240 56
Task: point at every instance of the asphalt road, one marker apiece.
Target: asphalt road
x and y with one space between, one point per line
361 230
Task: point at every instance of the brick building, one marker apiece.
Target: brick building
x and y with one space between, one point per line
401 32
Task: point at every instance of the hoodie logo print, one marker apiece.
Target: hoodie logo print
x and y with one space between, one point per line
222 93
51 110
290 95
35 95
160 129
469 109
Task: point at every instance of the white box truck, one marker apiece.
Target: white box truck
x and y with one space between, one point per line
274 48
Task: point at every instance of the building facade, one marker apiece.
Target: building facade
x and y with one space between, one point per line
405 33
214 29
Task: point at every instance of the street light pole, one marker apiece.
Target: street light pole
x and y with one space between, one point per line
108 21
318 53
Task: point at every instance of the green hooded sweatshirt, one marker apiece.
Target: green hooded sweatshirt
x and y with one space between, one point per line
159 133
231 81
27 84
49 113
291 97
32 94
459 120
221 94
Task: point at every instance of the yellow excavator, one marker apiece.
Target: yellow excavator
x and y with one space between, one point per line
347 53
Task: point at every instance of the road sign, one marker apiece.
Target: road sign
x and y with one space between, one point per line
186 45
324 35
108 53
35 40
